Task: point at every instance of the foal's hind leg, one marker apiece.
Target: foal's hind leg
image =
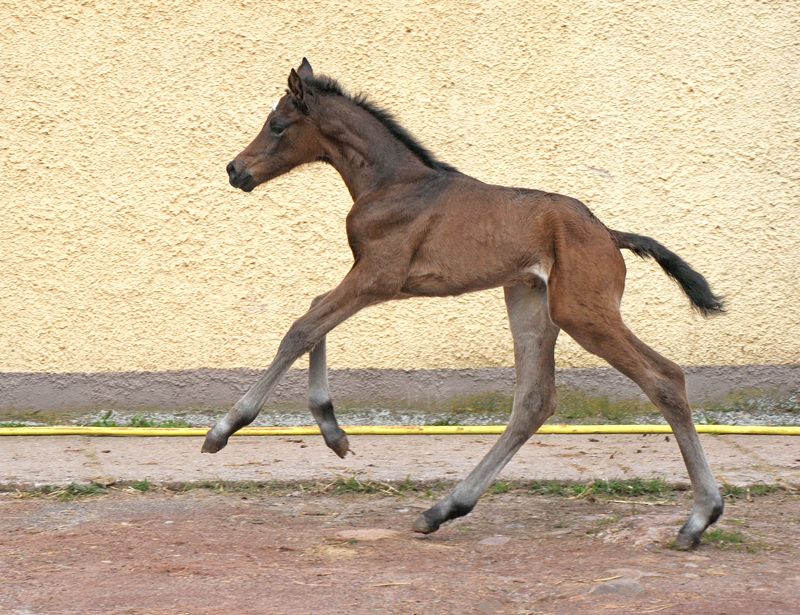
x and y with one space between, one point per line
319 397
534 401
603 333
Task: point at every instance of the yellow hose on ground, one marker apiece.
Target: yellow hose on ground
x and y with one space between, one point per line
400 430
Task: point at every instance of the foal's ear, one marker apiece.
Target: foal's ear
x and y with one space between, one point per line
296 87
305 71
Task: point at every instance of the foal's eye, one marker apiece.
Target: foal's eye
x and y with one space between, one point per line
277 127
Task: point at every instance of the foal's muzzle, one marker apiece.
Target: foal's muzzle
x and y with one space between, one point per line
239 176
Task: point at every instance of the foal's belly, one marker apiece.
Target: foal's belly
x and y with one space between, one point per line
436 285
449 283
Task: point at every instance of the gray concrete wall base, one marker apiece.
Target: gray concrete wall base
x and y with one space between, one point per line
217 387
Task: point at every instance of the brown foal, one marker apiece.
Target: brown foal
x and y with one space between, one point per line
418 227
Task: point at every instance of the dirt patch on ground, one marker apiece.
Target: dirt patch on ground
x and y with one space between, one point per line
293 552
27 462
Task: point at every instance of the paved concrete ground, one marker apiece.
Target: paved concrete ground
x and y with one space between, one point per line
739 460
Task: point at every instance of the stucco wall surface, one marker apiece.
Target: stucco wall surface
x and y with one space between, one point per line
123 248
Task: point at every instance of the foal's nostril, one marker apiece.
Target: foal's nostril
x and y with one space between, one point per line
239 176
231 168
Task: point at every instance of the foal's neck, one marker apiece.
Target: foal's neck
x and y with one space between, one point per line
367 156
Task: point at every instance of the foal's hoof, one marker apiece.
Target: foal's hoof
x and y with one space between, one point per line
423 525
339 444
213 443
685 542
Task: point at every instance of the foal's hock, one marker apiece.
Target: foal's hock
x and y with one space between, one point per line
418 227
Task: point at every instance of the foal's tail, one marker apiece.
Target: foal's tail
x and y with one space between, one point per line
693 284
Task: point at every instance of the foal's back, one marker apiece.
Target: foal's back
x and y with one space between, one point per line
473 236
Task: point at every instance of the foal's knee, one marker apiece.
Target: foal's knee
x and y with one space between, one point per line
298 340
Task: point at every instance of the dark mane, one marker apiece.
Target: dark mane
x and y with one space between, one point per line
326 85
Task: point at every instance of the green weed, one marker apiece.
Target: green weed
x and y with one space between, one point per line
142 485
211 485
76 490
706 419
574 405
352 484
602 488
255 488
607 521
174 423
553 488
722 539
406 485
106 421
486 402
733 492
446 421
137 420
636 487
500 487
757 401
763 489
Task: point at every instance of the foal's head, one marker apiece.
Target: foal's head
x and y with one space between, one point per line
318 120
288 138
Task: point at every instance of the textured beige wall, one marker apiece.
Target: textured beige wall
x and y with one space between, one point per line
122 246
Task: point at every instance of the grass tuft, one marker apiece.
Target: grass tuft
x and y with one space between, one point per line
105 421
352 484
212 485
76 490
142 485
139 420
635 487
576 406
603 488
499 487
723 539
447 421
732 491
608 521
174 423
757 401
486 402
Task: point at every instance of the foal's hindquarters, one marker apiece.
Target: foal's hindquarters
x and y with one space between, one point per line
582 296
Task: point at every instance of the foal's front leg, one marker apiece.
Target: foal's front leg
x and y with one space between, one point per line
319 396
534 401
345 300
320 403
